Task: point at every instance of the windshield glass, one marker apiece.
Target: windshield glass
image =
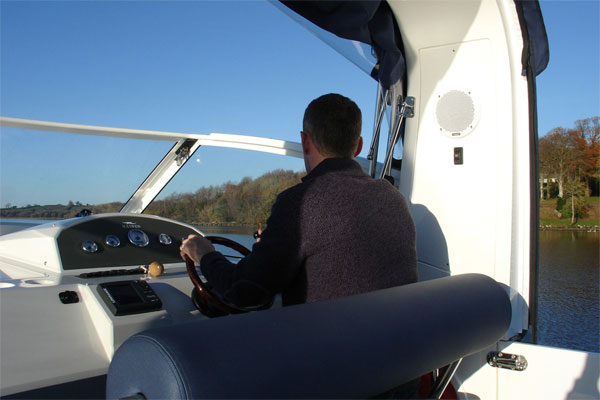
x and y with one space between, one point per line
213 191
358 53
49 175
194 67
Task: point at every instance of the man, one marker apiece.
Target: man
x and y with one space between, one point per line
338 233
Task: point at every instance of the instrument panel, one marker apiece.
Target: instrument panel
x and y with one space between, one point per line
121 241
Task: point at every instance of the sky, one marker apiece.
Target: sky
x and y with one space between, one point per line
164 66
569 89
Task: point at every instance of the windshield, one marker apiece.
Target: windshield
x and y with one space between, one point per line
194 67
211 190
358 53
55 175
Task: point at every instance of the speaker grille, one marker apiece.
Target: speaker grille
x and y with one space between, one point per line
455 112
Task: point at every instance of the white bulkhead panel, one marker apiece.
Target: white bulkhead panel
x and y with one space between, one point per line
445 186
465 167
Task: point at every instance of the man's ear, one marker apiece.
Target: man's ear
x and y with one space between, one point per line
359 146
306 142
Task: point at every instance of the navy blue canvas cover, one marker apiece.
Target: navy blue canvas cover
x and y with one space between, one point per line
536 52
373 22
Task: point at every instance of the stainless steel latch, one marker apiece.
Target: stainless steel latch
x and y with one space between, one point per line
183 152
513 362
407 109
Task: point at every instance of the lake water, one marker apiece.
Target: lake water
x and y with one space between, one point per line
568 290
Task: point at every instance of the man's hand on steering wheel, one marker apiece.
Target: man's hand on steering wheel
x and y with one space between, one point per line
195 247
192 250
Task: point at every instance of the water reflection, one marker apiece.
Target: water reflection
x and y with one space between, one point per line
568 290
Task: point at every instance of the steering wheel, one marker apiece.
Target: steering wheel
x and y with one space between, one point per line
207 301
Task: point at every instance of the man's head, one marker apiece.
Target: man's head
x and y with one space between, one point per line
332 124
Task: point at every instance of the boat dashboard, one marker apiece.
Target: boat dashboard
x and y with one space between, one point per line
97 242
72 291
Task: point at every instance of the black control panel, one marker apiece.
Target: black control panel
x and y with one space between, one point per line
129 297
99 242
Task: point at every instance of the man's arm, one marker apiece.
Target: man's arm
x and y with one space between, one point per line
274 262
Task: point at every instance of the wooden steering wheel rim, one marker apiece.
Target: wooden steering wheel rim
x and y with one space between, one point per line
210 297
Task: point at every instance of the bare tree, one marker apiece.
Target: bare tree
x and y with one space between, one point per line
557 153
586 137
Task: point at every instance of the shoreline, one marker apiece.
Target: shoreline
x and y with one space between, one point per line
574 228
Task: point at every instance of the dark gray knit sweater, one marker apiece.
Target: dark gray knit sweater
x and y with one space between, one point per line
338 233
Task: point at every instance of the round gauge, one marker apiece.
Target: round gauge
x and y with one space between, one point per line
165 239
89 246
138 238
112 241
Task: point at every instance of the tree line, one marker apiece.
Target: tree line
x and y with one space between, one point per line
245 203
570 166
56 211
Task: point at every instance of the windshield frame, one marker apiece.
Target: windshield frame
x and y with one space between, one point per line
184 148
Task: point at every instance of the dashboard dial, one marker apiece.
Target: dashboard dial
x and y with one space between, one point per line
89 246
112 241
138 238
165 239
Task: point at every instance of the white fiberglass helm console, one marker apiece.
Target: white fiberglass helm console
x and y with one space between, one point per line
66 329
455 78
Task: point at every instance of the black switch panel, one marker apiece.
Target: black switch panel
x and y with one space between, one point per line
458 156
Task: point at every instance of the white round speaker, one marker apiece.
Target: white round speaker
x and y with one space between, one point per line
455 113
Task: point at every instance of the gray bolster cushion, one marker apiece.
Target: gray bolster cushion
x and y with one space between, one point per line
353 347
